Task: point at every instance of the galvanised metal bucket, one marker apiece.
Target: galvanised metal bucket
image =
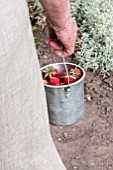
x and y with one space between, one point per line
65 103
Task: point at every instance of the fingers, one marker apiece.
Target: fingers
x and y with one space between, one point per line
53 43
66 53
47 40
67 50
58 53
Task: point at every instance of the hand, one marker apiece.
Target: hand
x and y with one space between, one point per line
66 37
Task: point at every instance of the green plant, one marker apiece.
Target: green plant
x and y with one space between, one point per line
36 2
95 21
36 40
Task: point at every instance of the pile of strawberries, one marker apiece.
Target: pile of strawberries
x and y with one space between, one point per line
52 77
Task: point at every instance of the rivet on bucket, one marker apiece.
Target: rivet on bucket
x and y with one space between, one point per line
67 91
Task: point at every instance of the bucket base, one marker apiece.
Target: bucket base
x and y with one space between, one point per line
66 124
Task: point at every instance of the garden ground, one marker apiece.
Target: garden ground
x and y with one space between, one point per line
88 144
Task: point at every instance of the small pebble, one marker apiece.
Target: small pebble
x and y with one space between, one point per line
59 139
45 56
60 127
65 135
73 129
88 97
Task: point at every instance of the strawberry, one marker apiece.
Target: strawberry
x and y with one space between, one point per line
54 81
71 79
50 72
76 72
45 82
62 74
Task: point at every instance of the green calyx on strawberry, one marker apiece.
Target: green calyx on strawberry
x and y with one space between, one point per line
50 72
68 79
54 81
76 72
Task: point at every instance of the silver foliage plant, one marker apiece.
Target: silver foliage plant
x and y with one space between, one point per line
36 2
95 20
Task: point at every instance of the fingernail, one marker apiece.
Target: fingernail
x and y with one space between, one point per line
47 41
58 53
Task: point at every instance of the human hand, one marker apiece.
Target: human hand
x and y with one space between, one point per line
66 37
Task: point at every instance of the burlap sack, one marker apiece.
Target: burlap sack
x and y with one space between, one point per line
25 140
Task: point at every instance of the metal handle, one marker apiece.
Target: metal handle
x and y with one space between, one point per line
68 88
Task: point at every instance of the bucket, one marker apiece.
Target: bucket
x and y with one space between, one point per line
65 103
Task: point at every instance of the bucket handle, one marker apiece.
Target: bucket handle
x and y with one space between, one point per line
68 88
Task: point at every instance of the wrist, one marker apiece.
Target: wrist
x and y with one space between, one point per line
62 27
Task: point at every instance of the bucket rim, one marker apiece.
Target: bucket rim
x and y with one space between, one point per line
63 86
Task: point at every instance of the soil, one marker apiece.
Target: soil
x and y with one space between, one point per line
88 144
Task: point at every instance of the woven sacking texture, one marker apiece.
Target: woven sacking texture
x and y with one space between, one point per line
25 140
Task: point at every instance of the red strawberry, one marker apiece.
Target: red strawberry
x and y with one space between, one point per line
50 72
71 79
62 74
76 72
54 81
45 82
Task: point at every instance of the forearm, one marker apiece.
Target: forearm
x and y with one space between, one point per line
58 11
